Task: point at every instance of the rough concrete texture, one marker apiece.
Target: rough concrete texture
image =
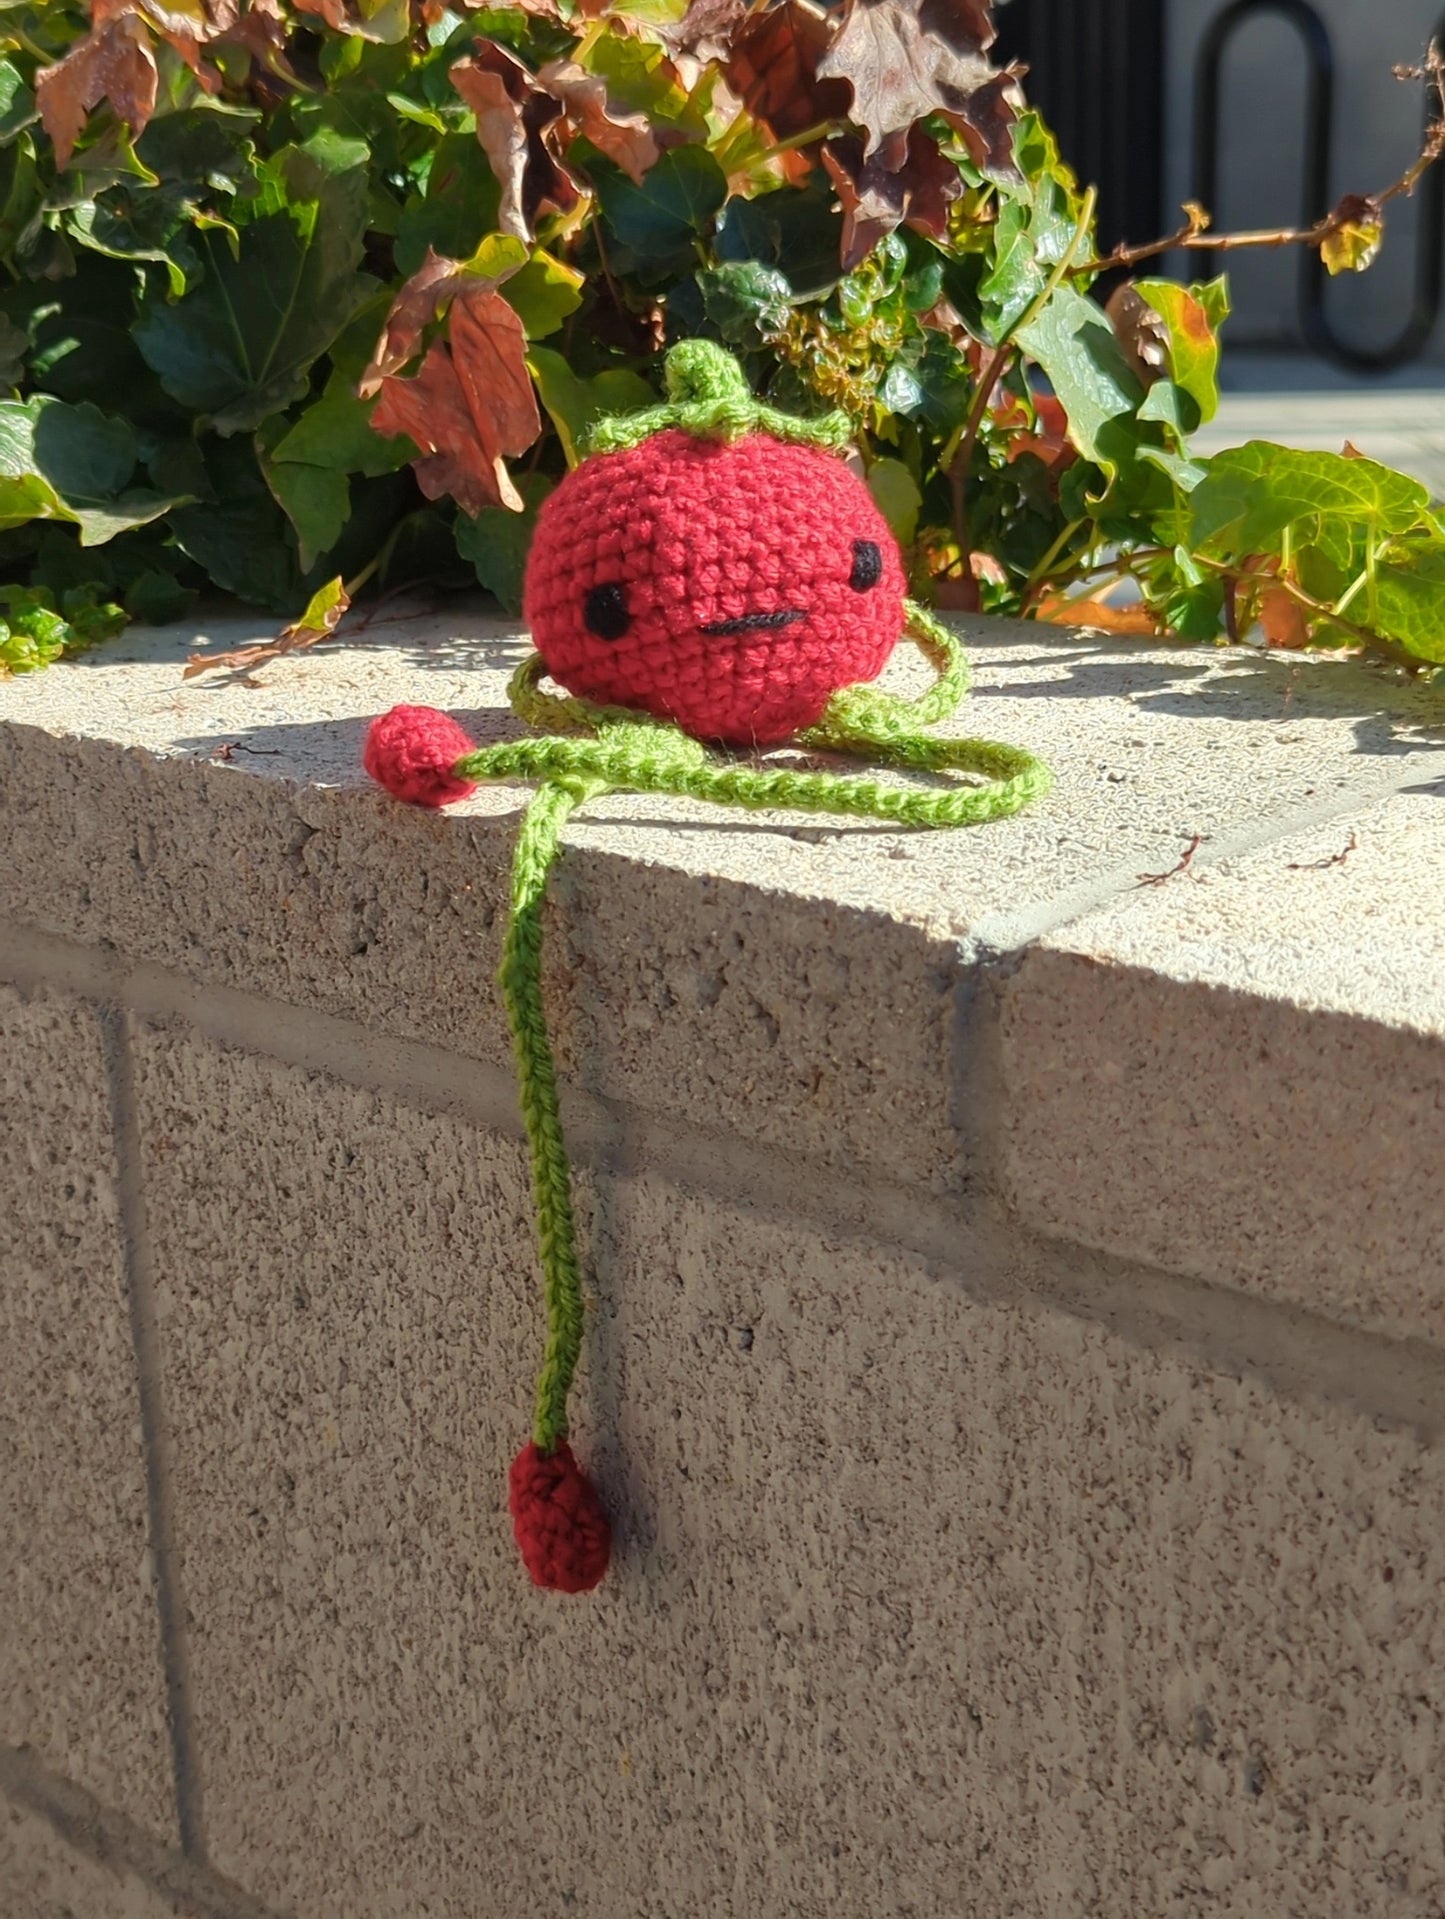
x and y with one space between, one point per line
1240 1075
80 1669
776 976
41 1877
964 1568
923 1604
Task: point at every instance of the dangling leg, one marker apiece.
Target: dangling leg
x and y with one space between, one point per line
560 1528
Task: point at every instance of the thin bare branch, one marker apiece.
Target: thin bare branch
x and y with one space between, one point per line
1195 237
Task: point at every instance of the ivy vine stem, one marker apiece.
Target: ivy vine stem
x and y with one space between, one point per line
957 458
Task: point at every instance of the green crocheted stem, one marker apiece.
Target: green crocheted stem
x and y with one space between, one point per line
520 979
709 397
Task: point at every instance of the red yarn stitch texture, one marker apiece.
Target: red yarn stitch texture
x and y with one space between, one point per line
411 752
561 1530
693 533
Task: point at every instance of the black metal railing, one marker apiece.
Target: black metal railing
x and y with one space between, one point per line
1096 73
1316 324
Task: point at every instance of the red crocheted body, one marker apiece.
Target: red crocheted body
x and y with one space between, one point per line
560 1527
732 589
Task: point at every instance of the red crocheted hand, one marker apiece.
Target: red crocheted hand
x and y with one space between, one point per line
732 588
560 1528
411 752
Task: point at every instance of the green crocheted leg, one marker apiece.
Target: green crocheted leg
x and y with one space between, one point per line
1016 779
520 979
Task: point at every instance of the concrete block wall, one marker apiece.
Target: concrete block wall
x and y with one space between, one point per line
1014 1361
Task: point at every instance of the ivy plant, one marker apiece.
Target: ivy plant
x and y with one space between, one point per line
303 298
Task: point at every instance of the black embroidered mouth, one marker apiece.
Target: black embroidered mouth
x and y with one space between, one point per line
757 622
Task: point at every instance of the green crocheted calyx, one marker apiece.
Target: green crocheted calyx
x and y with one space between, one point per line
709 397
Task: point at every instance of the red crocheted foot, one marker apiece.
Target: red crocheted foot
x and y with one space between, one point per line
561 1530
411 752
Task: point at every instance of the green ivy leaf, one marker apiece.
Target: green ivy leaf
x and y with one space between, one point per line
1193 339
497 541
543 293
1075 345
795 229
642 79
1169 403
659 220
458 209
157 599
240 539
1254 497
317 502
335 432
240 347
745 300
72 463
896 495
574 403
17 103
1410 595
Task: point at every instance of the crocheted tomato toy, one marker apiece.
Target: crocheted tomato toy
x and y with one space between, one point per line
731 586
712 571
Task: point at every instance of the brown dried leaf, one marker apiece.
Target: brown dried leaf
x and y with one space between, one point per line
1283 621
471 404
114 62
489 351
876 199
495 90
413 309
706 30
1097 616
1142 333
903 59
333 12
773 67
262 32
324 613
196 21
623 137
517 127
957 593
432 409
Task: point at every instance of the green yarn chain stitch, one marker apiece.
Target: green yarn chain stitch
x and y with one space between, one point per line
595 750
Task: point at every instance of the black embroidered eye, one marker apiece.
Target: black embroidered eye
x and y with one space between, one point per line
867 566
605 613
